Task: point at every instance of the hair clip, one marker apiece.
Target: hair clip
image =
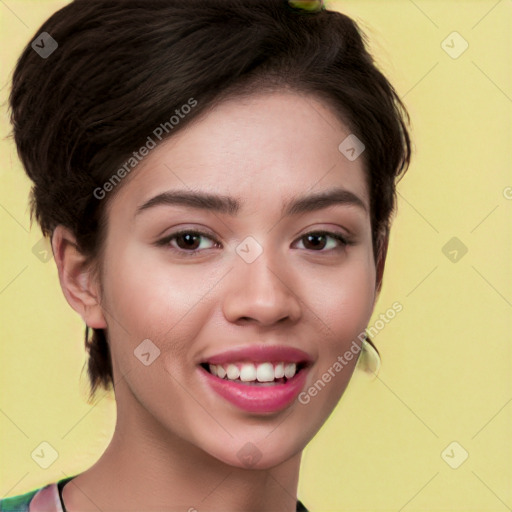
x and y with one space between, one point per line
307 5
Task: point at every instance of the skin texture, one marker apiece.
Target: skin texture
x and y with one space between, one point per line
176 441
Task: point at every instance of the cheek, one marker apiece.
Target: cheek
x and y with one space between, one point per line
149 299
344 300
344 305
149 293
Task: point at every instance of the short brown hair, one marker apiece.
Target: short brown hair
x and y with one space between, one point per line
122 67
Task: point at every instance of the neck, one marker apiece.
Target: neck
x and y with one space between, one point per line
146 467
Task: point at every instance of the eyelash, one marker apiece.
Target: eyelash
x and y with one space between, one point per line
165 241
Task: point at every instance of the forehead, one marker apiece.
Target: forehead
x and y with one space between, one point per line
263 148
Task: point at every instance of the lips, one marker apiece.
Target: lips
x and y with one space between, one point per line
259 378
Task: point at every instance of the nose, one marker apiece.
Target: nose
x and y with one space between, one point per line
264 292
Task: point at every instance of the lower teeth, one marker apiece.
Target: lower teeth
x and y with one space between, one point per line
256 383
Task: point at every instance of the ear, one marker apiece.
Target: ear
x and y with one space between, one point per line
79 285
382 245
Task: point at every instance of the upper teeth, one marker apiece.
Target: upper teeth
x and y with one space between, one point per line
249 372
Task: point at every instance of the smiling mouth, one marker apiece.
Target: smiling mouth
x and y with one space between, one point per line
256 374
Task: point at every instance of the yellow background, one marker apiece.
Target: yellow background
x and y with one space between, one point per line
446 358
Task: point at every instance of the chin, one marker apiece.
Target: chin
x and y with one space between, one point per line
260 451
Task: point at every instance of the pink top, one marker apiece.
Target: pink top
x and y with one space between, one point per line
46 499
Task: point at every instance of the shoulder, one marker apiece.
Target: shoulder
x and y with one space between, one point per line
42 499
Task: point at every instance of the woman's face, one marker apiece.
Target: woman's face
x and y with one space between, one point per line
246 286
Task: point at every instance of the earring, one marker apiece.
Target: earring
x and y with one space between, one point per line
369 360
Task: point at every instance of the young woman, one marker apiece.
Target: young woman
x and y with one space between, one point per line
217 178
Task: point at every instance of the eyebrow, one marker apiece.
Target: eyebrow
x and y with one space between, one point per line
232 206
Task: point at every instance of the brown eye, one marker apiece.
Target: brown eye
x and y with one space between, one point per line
318 240
188 242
